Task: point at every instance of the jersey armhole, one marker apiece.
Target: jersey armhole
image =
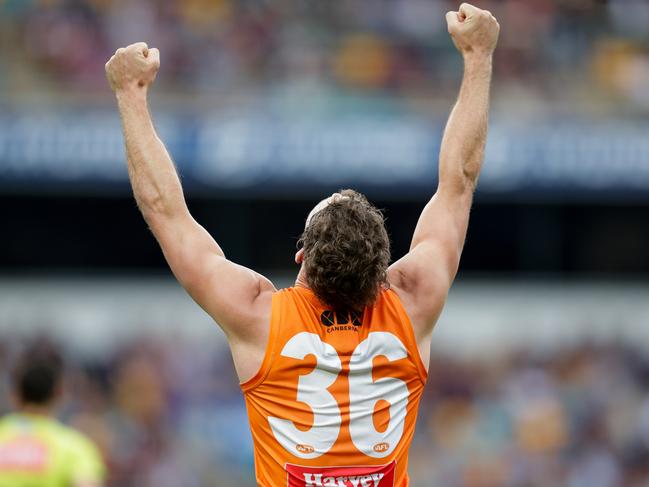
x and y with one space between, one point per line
269 355
407 326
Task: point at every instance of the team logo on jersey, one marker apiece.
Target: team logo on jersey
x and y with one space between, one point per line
365 476
337 321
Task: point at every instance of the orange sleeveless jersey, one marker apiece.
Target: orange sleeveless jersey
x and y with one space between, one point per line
335 401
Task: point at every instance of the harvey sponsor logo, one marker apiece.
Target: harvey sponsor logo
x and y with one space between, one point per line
361 476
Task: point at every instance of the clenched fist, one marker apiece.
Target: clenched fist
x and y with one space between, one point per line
473 30
133 66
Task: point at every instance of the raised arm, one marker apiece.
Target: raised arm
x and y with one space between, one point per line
425 274
236 297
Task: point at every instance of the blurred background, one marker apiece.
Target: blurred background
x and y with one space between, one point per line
540 367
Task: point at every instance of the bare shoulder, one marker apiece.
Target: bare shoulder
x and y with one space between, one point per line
247 326
421 288
239 299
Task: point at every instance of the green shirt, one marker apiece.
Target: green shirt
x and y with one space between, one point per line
37 451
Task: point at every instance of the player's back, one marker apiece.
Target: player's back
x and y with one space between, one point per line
335 400
37 451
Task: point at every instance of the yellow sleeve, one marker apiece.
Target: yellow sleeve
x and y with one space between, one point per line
86 465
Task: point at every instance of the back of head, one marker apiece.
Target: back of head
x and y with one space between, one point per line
346 252
37 374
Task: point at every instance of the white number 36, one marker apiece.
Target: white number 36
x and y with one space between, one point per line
364 393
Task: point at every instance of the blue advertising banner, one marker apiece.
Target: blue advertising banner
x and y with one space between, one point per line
84 152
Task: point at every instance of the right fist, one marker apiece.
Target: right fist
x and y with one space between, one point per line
133 66
473 30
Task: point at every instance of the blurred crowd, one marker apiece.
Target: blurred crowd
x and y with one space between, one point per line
170 413
591 51
577 417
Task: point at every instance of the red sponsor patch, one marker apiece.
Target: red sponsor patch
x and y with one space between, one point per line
364 476
23 454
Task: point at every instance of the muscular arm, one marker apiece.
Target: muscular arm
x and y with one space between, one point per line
153 177
443 222
236 297
424 275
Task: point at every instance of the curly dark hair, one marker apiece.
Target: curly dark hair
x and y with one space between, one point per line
346 252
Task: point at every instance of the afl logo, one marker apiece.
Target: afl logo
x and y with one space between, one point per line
381 447
304 448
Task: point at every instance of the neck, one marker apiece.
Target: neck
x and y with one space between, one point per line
301 281
35 409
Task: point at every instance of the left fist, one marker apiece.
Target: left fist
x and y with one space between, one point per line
132 66
473 30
